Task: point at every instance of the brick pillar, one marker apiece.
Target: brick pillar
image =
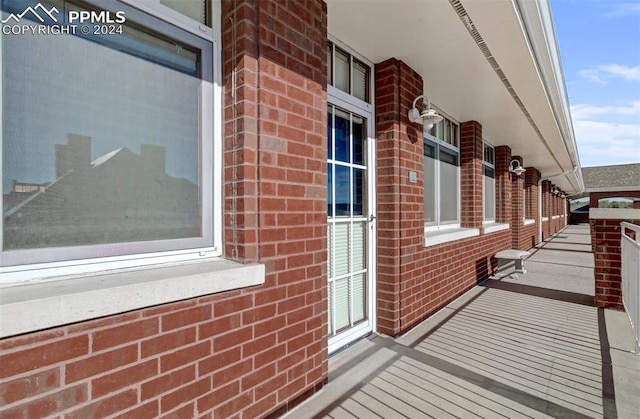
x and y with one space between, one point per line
531 193
503 184
399 202
275 191
471 211
605 242
546 208
517 206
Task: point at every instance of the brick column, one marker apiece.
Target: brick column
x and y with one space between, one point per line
471 211
546 208
503 184
399 202
517 206
275 151
605 242
531 191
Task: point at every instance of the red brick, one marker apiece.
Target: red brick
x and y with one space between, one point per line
123 378
25 340
49 405
237 337
166 382
123 334
219 360
186 317
22 388
41 356
147 410
219 394
106 407
101 363
187 393
185 356
167 342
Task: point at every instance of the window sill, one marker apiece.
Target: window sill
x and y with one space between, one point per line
555 217
434 237
27 308
528 222
493 227
545 219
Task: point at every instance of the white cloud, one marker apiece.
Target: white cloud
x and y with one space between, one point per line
603 73
583 111
623 10
603 143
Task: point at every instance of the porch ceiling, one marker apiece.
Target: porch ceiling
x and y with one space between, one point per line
460 80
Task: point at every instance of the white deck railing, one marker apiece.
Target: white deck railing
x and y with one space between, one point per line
631 276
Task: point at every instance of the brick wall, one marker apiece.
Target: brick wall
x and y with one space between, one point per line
414 281
249 352
528 235
605 242
471 150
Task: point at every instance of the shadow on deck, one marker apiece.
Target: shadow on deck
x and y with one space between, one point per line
519 345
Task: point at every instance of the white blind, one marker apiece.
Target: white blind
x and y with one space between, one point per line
448 189
342 304
342 71
360 81
429 185
489 198
341 243
195 9
358 247
358 298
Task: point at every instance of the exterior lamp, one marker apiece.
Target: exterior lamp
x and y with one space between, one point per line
428 117
516 168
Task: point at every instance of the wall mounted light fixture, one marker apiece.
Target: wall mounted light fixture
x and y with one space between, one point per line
516 167
428 117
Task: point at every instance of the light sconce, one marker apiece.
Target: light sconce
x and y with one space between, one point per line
428 117
555 190
516 167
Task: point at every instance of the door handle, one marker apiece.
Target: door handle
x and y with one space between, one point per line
371 218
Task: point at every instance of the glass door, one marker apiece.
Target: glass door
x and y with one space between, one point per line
350 226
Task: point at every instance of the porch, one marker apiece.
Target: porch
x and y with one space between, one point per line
519 345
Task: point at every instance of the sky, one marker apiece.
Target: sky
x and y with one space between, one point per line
599 42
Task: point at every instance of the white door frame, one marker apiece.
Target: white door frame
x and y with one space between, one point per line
349 103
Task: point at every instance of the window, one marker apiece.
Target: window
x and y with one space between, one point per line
347 73
489 183
442 175
114 134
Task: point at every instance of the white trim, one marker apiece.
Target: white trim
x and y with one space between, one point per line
493 227
31 307
555 217
434 237
545 219
614 189
528 222
614 213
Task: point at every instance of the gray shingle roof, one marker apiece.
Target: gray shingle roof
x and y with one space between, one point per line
613 178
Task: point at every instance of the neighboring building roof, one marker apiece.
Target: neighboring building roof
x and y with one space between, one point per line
621 177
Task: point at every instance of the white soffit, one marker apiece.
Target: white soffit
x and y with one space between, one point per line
431 38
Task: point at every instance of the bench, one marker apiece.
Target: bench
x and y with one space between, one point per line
512 255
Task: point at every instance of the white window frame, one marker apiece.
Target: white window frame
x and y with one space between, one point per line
452 148
26 268
74 292
490 165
